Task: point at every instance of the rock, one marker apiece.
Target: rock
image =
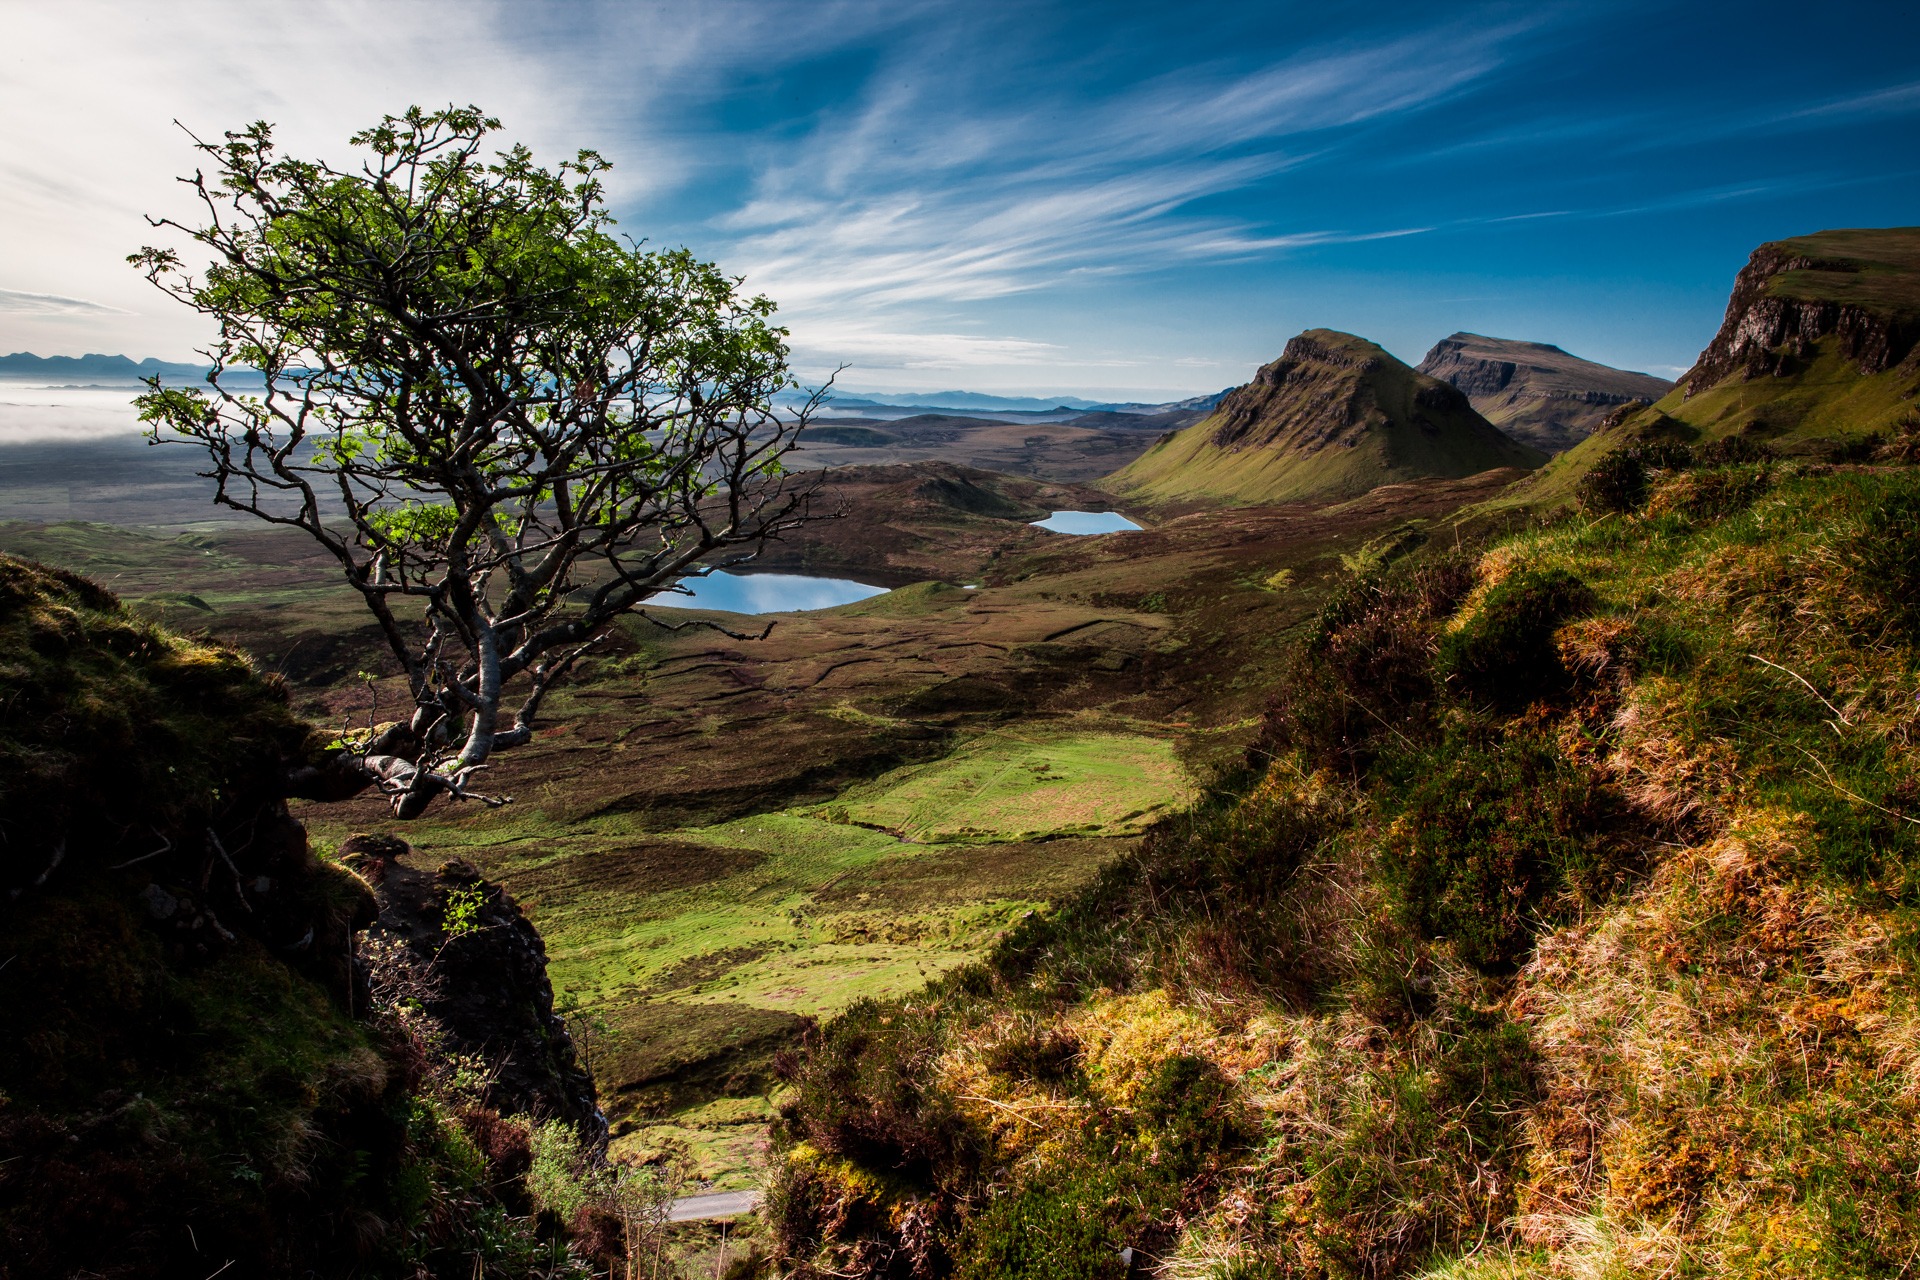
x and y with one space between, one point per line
478 967
159 903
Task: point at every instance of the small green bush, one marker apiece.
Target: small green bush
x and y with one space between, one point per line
1885 557
1060 1228
1504 655
1495 837
1195 1112
1617 482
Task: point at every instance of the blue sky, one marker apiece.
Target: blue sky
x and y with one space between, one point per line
1115 199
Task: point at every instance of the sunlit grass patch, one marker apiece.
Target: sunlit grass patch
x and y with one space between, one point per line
1017 785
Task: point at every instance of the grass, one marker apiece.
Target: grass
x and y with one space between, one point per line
1640 1000
695 950
1023 785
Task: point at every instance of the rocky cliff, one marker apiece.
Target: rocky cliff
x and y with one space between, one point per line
1333 417
1535 392
473 969
1860 288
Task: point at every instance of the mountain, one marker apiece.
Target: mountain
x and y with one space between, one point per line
94 368
1333 417
1534 391
1819 353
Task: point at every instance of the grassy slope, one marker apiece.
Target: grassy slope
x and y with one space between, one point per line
1823 403
1886 274
735 930
1189 466
1617 981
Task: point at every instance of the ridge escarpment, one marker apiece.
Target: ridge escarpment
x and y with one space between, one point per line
201 1059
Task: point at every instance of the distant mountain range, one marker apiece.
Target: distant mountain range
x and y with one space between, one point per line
94 368
980 402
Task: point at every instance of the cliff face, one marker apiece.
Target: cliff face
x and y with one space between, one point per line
1333 417
1535 392
1859 287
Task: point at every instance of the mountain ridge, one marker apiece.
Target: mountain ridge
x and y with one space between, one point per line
1334 416
95 365
1534 391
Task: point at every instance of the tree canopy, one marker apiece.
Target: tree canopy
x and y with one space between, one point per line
507 424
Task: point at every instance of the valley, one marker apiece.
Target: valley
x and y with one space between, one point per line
721 838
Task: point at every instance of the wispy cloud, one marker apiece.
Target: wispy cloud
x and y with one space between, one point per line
914 200
52 304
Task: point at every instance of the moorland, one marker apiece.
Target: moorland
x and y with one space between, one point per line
1407 853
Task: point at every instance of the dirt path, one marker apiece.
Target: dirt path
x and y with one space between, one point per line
718 1204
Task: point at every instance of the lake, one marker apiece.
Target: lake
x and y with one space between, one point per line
764 593
1082 523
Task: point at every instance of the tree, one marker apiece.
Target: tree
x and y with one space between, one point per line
508 426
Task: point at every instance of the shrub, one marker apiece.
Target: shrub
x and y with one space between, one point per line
1732 450
1711 493
1885 557
1367 670
1195 1111
861 1091
1617 482
1062 1227
1496 837
1504 655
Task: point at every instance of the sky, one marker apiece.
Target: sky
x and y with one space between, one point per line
1127 201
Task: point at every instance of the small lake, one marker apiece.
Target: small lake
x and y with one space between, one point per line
764 593
1081 523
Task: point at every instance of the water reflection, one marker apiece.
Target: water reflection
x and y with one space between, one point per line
764 593
1081 523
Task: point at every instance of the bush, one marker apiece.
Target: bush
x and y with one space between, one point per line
1060 1228
1195 1111
1498 837
1617 482
1367 671
1732 450
1504 655
1885 557
861 1091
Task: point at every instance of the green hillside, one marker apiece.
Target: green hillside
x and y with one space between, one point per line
1560 924
1819 355
1334 417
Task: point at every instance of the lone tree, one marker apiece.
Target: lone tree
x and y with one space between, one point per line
508 426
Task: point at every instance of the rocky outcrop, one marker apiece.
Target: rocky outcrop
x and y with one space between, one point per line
1861 288
1317 395
1535 392
460 950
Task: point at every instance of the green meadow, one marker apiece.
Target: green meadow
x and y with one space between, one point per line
683 957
